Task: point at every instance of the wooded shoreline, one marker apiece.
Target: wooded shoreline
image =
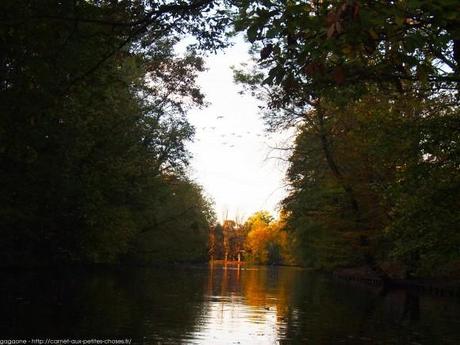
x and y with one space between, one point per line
443 287
439 287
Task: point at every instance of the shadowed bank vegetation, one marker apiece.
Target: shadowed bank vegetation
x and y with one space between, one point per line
93 131
372 88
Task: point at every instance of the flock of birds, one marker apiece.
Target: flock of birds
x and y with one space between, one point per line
227 137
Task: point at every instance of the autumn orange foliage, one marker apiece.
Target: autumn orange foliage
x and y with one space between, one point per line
267 241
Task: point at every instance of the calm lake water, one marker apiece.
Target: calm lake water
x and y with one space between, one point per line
232 305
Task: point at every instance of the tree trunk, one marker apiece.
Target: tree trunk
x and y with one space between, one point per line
335 169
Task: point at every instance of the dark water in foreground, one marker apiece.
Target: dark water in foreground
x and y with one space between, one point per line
219 306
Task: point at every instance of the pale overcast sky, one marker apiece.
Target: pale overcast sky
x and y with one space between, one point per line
231 148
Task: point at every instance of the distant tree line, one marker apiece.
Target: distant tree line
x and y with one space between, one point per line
261 240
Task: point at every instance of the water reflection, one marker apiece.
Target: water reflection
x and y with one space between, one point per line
219 305
245 305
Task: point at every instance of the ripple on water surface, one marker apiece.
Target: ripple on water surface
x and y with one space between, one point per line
219 305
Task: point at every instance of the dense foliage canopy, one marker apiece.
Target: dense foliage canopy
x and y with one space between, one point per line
93 130
373 90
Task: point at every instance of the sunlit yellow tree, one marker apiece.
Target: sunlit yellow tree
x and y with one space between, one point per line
267 241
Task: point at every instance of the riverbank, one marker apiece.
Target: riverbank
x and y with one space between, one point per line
362 275
365 275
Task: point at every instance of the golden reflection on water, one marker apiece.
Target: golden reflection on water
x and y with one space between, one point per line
220 305
244 305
